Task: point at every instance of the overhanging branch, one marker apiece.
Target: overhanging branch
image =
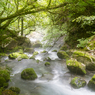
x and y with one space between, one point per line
36 10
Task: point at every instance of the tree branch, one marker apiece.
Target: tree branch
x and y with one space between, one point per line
35 10
49 3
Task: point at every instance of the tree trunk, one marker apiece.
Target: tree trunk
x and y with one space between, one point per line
21 26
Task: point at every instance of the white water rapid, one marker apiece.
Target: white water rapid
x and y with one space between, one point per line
52 80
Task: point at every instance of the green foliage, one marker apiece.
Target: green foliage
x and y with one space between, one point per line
82 42
85 20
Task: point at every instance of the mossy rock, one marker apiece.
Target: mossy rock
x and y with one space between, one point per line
8 92
76 67
37 61
47 59
77 82
44 51
15 89
37 44
5 74
47 64
64 47
34 54
17 55
3 83
28 74
62 54
85 58
91 83
54 51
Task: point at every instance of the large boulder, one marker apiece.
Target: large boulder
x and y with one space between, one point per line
77 82
11 44
91 83
76 67
28 74
17 55
85 58
23 41
62 54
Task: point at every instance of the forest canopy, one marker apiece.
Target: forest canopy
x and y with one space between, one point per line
70 17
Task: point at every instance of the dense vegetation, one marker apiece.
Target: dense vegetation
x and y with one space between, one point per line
70 17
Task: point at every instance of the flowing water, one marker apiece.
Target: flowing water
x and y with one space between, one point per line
52 80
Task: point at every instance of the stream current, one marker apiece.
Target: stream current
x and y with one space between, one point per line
52 80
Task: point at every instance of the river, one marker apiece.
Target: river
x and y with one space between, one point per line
52 80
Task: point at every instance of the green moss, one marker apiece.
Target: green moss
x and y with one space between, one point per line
44 51
77 82
47 59
75 66
64 47
62 54
54 51
8 92
17 55
28 74
47 64
5 74
2 82
91 83
83 54
21 51
93 78
15 89
85 58
37 61
34 54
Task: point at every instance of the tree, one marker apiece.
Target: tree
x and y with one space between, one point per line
77 18
21 8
